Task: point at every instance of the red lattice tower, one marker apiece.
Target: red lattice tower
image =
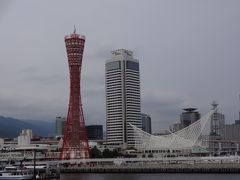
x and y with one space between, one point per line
75 144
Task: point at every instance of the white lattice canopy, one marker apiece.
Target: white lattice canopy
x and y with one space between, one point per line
183 139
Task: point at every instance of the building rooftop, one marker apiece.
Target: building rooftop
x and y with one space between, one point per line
122 53
190 109
74 35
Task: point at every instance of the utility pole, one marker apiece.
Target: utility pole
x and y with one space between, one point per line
34 164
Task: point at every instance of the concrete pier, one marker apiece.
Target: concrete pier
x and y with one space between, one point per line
170 168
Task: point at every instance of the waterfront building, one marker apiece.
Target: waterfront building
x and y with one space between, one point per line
123 106
1 142
94 132
146 123
189 116
175 127
183 142
217 124
27 132
24 139
232 132
60 125
237 122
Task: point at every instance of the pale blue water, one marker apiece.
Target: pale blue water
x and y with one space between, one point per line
120 176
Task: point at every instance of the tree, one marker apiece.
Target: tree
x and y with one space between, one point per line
111 154
116 153
95 152
107 153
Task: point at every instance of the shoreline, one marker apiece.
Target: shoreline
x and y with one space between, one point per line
171 168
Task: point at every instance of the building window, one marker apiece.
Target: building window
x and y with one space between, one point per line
133 65
113 65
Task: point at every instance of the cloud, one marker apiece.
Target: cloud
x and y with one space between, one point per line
102 51
4 5
25 106
33 76
188 54
163 107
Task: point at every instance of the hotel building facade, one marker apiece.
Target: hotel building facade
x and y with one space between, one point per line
123 104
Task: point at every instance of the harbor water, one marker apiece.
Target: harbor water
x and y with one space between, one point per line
159 176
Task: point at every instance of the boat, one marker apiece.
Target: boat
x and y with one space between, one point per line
15 173
12 172
21 170
45 171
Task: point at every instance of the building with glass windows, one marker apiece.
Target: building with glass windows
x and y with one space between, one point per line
189 116
217 128
123 106
94 132
60 125
146 123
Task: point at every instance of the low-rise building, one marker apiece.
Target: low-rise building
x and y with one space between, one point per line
1 142
232 132
94 132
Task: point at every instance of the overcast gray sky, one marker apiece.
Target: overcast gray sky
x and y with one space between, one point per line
189 53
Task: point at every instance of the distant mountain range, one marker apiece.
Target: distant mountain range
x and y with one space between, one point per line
11 127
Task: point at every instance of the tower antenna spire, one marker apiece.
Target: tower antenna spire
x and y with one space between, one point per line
74 31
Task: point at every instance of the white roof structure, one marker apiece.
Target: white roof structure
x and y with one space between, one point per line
183 139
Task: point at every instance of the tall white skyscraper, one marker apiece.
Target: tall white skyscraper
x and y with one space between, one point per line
123 105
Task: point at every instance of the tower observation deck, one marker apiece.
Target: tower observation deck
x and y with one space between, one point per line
75 144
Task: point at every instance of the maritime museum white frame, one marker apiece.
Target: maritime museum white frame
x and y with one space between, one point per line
183 139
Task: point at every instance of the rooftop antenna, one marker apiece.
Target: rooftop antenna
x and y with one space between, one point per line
239 102
74 31
215 105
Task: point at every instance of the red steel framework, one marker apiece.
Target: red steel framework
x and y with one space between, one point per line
75 144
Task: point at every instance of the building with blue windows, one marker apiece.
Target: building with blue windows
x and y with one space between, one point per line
146 123
94 132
